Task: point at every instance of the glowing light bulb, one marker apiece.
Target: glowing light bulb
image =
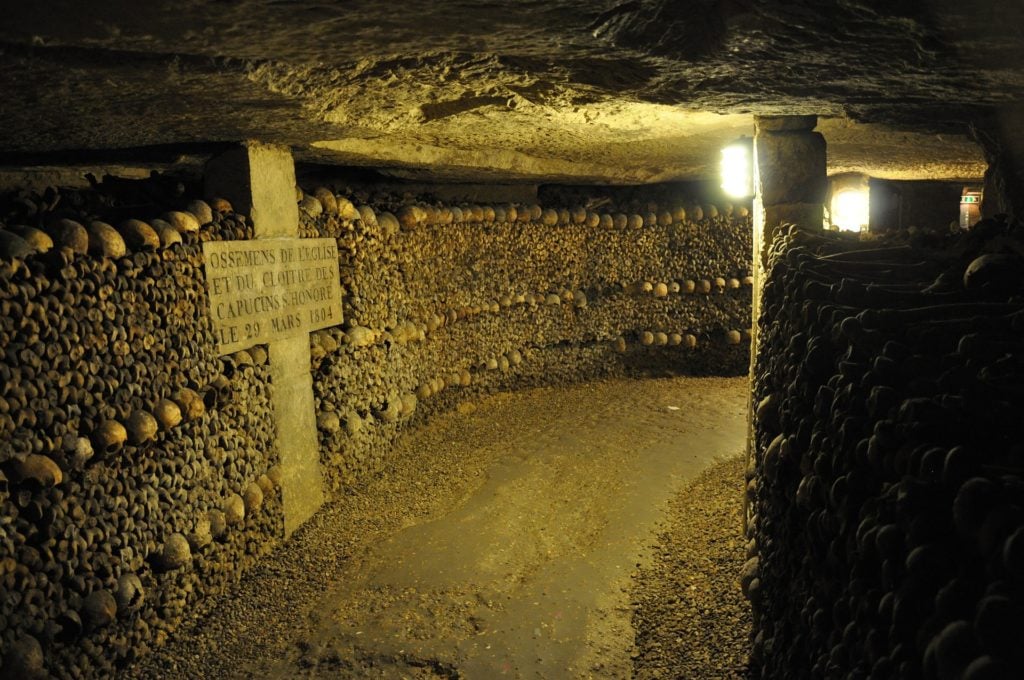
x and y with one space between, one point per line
737 180
851 210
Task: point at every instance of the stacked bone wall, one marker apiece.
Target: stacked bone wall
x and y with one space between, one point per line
138 474
887 485
136 465
443 304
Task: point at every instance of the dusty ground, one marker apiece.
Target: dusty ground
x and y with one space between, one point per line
691 620
505 545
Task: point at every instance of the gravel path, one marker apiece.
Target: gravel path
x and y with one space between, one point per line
691 619
505 543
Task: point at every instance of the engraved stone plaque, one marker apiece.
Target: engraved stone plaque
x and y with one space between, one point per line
269 289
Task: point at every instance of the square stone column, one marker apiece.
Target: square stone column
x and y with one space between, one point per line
259 179
1002 139
790 176
790 185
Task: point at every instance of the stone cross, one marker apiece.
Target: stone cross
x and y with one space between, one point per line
274 289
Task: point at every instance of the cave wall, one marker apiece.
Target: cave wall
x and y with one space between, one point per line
887 482
897 205
138 471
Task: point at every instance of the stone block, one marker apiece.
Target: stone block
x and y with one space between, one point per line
785 123
791 168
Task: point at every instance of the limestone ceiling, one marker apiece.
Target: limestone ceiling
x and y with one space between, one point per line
560 90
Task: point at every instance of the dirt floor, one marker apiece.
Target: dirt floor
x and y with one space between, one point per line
518 540
691 619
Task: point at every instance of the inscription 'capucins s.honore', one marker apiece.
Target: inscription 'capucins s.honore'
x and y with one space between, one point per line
266 304
261 291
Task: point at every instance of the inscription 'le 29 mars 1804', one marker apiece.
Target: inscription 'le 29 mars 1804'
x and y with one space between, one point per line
269 289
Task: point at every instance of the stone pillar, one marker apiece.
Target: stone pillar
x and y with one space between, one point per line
790 184
295 413
1002 140
259 179
790 176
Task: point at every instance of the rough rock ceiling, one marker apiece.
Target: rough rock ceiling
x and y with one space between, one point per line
553 90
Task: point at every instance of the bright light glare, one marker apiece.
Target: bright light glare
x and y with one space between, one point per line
736 175
850 210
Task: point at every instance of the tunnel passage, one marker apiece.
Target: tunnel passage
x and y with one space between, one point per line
140 477
156 514
450 302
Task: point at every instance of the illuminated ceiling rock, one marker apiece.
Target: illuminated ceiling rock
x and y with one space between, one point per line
604 91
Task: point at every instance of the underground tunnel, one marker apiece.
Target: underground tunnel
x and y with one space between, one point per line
652 339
